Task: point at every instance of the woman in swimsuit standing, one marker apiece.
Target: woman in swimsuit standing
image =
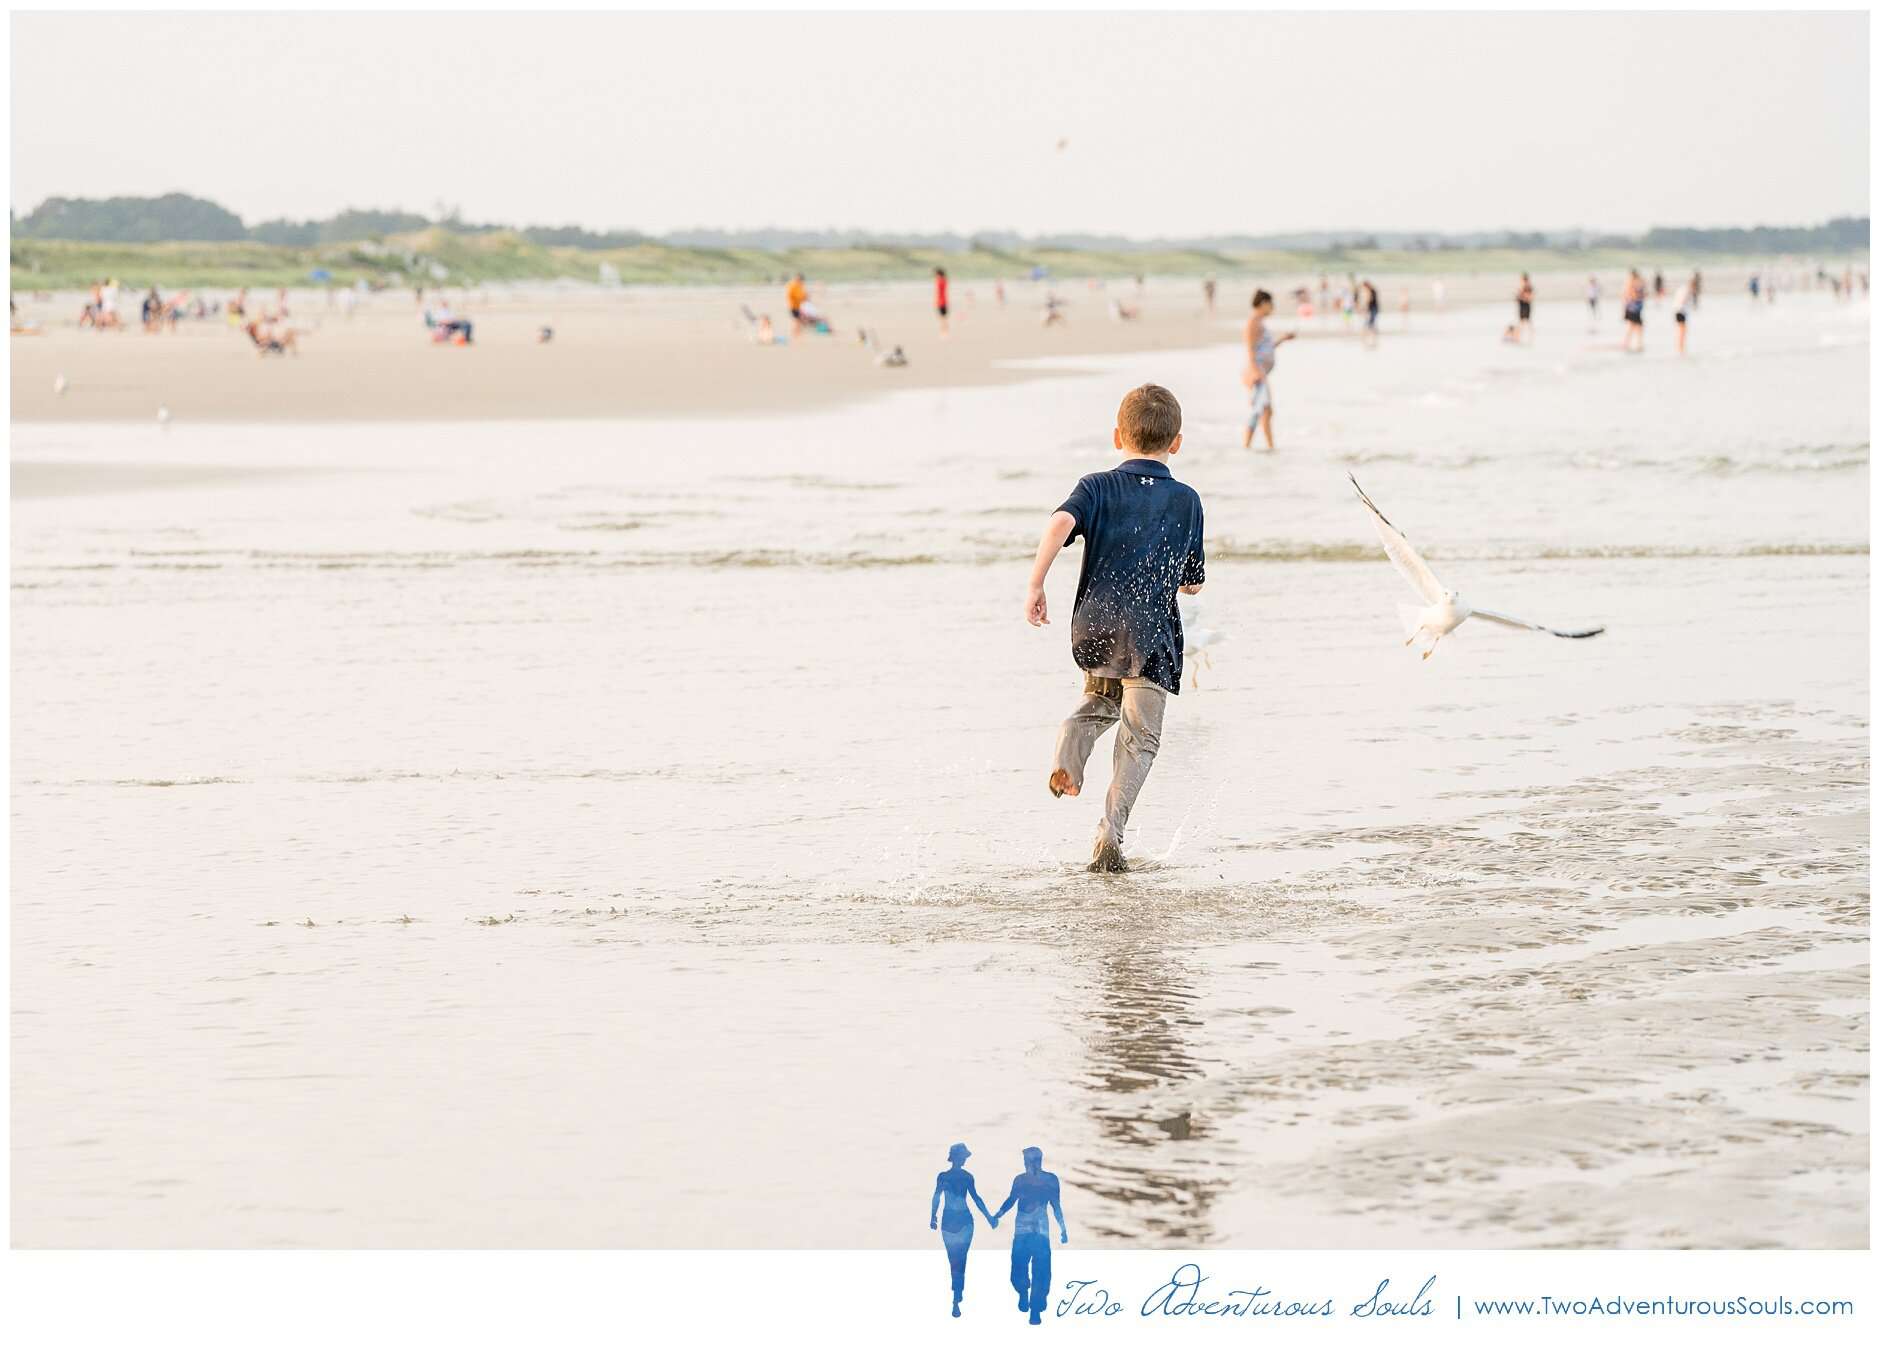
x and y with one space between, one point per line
1262 346
955 1186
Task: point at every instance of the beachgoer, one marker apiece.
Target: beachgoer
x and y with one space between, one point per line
1370 314
1524 308
796 295
955 1187
1142 544
1684 305
1262 345
940 299
1037 1194
1634 313
1207 293
1592 297
273 339
446 326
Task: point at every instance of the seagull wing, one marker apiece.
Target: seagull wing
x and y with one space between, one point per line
1410 562
1509 621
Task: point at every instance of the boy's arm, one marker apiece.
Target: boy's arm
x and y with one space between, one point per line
1064 1232
1195 569
1056 534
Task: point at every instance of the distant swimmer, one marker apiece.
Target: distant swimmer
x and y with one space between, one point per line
1524 309
1684 306
1634 313
1262 351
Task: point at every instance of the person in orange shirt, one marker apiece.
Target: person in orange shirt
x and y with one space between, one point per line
796 295
940 299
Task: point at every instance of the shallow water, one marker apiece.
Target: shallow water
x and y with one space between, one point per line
635 834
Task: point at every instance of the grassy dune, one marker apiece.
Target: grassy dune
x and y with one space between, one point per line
439 256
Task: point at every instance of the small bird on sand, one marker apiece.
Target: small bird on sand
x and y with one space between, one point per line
1444 610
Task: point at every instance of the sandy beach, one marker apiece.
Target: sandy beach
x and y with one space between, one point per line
656 352
608 812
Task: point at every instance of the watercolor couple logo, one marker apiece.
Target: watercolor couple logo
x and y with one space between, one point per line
1034 1196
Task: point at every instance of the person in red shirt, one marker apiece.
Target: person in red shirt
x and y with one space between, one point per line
940 298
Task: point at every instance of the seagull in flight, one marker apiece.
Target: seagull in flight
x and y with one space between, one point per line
1444 610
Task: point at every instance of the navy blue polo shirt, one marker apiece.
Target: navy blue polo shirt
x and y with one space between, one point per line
1142 543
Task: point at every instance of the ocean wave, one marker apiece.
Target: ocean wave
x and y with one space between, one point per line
987 550
1794 458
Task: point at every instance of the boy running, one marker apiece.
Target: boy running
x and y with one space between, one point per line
1142 544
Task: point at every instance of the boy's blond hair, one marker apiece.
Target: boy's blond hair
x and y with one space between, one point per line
1149 419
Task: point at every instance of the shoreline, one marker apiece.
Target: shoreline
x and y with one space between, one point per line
612 358
667 352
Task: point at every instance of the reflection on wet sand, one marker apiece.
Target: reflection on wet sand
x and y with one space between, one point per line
1139 1014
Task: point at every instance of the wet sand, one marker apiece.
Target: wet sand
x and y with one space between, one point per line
633 833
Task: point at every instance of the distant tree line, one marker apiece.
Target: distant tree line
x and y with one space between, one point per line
174 217
1843 233
179 217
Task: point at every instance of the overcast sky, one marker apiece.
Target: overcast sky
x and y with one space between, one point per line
1198 125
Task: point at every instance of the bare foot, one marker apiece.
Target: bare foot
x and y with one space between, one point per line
1061 784
1107 858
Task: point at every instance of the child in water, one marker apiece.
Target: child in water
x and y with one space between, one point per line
1142 546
